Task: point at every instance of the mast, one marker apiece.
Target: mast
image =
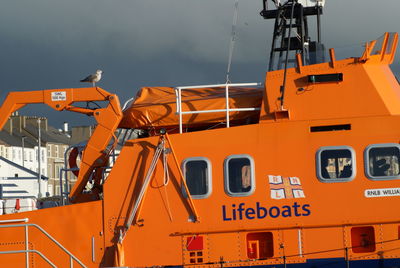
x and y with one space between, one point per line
291 34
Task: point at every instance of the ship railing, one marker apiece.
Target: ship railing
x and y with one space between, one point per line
227 110
26 226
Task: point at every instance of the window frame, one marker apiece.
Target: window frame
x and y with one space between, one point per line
209 178
226 175
366 161
331 148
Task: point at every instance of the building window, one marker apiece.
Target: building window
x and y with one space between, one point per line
197 172
382 161
58 171
56 150
50 171
48 150
58 190
336 164
42 154
239 175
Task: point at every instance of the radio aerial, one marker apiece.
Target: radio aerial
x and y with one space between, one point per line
304 3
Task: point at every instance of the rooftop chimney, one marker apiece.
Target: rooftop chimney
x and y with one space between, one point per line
65 127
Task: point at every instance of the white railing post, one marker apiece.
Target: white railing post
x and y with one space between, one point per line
180 109
26 247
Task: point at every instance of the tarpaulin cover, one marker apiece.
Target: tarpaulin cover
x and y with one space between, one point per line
155 107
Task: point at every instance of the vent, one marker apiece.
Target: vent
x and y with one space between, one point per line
330 128
325 78
260 245
363 239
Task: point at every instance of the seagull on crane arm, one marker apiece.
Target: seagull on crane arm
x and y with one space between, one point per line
93 78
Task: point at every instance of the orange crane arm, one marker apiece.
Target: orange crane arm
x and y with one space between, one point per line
108 119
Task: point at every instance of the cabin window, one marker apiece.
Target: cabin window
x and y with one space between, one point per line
239 175
382 161
336 164
197 172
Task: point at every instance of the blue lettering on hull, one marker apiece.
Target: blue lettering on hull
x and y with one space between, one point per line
242 211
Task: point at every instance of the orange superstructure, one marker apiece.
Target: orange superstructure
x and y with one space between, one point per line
311 181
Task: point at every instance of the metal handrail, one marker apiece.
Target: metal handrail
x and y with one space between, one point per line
14 220
178 92
27 251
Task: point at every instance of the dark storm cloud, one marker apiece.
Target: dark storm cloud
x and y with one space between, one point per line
54 44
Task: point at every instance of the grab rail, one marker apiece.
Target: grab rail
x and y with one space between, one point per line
72 258
178 92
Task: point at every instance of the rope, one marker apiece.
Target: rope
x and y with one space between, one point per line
233 39
165 165
166 181
149 174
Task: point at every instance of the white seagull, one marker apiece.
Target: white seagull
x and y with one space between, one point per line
93 78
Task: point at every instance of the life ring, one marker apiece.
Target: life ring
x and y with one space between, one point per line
73 155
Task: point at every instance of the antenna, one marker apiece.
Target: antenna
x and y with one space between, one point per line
232 42
300 39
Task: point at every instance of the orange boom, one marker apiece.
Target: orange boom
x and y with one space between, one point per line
306 175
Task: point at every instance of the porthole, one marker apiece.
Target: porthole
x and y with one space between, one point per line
239 175
197 172
382 161
335 164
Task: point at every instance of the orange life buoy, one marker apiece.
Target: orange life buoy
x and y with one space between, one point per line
73 155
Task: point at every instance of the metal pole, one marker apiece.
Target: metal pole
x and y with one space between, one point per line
26 247
319 22
282 98
39 161
180 109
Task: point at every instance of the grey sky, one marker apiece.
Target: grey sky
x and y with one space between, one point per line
53 44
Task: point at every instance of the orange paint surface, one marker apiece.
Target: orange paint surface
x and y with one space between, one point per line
290 214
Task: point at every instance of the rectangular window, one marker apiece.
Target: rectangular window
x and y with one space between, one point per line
382 161
50 171
197 172
58 171
336 164
239 175
58 190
